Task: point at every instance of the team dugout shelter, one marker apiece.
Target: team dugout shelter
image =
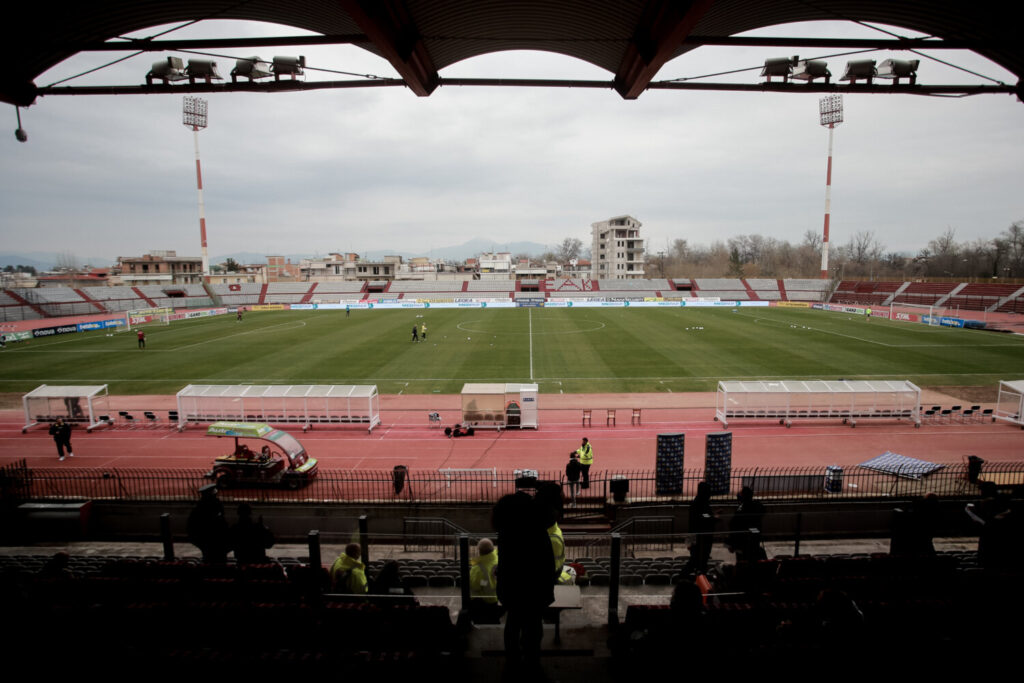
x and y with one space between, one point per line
849 401
300 404
1010 403
81 404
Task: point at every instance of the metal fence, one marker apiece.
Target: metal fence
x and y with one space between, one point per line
815 483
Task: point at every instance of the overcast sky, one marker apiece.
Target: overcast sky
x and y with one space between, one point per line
379 168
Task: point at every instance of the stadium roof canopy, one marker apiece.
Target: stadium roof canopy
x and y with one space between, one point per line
630 39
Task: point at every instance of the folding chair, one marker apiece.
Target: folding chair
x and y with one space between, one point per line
636 416
586 419
609 420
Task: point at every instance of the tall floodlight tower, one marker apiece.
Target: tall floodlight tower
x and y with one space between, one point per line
831 109
194 116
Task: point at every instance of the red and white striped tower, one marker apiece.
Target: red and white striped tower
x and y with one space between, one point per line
831 109
194 116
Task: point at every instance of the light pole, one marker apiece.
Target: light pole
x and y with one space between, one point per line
194 116
831 110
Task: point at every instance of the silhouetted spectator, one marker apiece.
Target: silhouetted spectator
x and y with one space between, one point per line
702 525
389 581
573 471
749 515
250 539
525 575
914 530
207 528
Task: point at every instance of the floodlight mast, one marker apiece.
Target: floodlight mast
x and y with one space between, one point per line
194 116
831 109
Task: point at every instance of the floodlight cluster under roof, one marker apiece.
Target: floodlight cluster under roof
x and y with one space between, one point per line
866 70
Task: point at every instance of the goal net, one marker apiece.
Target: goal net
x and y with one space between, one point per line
147 317
925 313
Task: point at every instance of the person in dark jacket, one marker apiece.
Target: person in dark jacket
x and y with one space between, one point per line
525 575
702 525
61 433
250 539
573 470
207 527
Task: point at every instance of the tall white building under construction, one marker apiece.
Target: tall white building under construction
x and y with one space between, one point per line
617 251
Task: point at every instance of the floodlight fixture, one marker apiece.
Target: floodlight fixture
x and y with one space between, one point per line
831 110
252 68
202 69
288 66
779 66
19 132
167 70
859 69
811 69
899 68
194 112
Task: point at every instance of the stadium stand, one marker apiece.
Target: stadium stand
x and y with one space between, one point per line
980 296
805 289
338 287
567 285
491 286
924 293
425 286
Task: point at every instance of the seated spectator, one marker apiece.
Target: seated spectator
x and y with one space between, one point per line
389 581
250 539
348 574
483 584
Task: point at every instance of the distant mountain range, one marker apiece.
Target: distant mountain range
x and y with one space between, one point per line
46 261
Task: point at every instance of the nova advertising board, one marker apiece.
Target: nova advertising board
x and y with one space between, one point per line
51 331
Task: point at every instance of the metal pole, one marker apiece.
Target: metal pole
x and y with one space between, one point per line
165 535
799 524
831 110
313 541
464 569
613 584
364 543
202 208
828 205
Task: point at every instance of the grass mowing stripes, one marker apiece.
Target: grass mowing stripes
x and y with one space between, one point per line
574 350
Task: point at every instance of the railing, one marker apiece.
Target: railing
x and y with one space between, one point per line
429 486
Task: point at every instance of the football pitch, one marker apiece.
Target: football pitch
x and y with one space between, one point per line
581 350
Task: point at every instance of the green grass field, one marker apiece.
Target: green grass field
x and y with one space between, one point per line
574 350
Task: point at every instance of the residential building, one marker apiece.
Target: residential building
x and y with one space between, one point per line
161 268
618 249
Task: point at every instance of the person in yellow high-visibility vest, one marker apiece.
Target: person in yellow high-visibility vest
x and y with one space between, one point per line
586 453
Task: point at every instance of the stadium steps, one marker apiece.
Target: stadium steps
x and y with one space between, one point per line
149 302
308 296
25 302
263 293
92 301
214 296
751 294
956 290
782 291
1002 302
895 294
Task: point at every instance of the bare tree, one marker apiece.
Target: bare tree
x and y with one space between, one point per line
569 249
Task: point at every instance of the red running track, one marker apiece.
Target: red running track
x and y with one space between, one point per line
406 438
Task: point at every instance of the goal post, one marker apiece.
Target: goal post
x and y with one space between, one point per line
929 314
146 317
